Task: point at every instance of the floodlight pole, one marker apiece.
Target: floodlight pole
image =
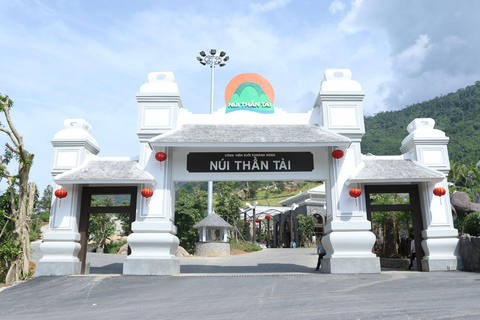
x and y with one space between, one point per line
212 60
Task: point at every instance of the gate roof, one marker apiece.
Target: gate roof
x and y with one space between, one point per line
254 134
106 170
393 170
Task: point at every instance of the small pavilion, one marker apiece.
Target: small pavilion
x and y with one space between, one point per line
207 244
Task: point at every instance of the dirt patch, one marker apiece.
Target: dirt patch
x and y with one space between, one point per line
236 251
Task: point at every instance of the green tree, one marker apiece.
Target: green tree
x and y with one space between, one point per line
190 209
471 224
18 217
9 248
245 227
457 170
252 187
306 229
101 225
45 202
399 220
228 203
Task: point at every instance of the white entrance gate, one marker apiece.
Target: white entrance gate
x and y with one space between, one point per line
247 146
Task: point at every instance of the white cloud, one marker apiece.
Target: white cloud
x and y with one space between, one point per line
412 58
269 6
424 38
336 6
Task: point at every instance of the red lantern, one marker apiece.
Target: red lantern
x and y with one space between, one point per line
161 156
355 193
257 220
248 222
267 217
439 192
147 193
60 193
337 154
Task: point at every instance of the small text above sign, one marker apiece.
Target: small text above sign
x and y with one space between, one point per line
250 162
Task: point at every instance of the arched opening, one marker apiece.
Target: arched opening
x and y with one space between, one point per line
411 204
125 202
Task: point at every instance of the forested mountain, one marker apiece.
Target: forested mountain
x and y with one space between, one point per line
457 114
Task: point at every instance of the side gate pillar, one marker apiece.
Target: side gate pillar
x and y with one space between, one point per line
428 146
348 239
72 146
153 242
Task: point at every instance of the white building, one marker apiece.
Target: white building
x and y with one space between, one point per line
248 146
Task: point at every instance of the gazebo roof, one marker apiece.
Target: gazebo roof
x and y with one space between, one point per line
213 220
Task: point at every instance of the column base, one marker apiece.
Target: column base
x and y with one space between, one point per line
440 264
350 265
59 268
151 267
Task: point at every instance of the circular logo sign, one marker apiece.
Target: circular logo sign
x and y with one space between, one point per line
249 91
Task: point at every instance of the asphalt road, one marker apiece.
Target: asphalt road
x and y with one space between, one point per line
271 284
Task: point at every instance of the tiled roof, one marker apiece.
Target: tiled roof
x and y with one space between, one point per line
252 134
382 170
109 170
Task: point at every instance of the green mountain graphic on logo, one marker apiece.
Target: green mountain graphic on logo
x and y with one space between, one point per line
250 96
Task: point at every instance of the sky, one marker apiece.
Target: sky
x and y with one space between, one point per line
67 59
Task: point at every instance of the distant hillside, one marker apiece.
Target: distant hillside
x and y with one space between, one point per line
457 114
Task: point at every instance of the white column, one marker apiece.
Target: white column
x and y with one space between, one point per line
225 235
428 146
348 240
72 147
153 241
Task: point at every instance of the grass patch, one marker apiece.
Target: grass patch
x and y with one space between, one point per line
245 246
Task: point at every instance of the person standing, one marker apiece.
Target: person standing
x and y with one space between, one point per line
412 250
321 253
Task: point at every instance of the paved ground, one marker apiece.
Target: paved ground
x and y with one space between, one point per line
270 284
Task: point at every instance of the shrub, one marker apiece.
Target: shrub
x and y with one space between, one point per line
113 247
45 216
471 224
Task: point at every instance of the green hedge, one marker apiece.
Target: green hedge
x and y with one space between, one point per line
471 224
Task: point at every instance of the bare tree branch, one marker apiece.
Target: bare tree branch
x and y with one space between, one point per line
12 149
10 135
19 138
